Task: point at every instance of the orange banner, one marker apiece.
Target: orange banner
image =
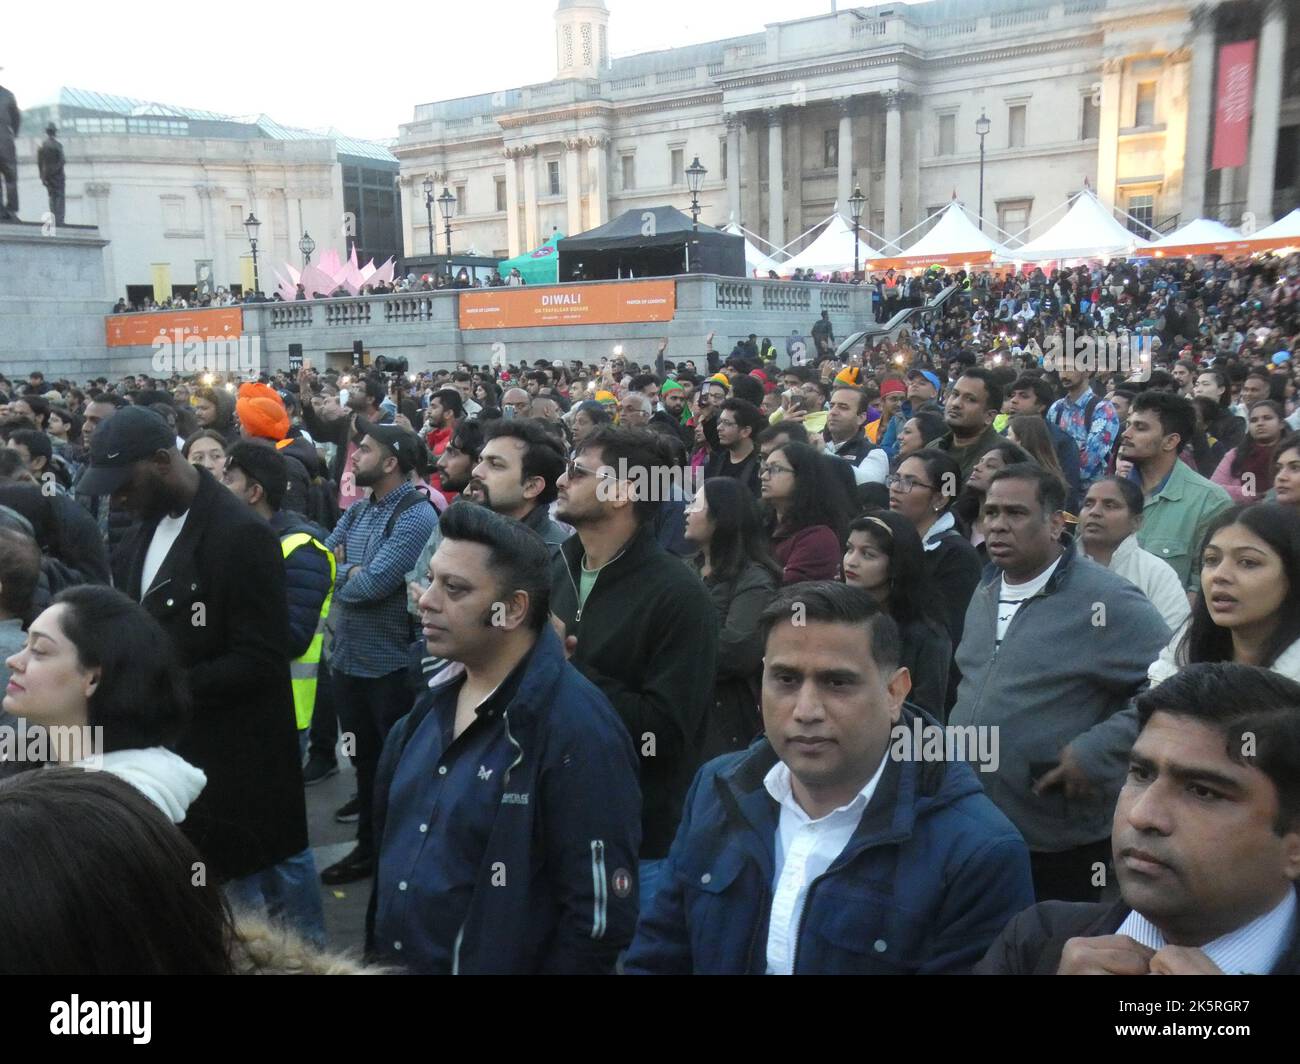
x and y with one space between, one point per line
141 330
578 304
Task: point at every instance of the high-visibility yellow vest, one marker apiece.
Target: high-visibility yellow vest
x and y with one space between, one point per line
302 671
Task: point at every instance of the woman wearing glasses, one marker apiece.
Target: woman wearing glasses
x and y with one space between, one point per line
923 491
808 512
724 523
885 558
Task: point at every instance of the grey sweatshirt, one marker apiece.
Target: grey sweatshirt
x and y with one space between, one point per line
1073 657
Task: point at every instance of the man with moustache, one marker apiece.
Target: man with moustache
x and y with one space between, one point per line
516 474
1206 840
507 806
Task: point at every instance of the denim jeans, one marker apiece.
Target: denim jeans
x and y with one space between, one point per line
288 893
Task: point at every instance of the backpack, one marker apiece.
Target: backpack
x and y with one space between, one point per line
414 499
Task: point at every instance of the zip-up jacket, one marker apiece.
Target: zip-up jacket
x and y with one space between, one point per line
1072 659
930 877
648 638
556 890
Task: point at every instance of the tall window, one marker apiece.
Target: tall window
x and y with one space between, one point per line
1016 126
1143 209
553 176
462 201
501 193
947 135
1144 114
1091 119
679 166
830 148
629 171
1013 215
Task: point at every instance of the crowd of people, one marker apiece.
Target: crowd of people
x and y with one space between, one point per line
659 668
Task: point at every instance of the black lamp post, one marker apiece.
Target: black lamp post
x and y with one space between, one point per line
447 205
695 181
428 206
857 203
306 245
251 226
982 130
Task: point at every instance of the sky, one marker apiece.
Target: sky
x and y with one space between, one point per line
361 68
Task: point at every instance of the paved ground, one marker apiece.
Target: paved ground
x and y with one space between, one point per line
345 906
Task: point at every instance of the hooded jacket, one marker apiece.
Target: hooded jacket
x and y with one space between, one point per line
648 638
165 778
931 875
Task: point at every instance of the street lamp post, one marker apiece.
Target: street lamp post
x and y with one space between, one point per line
251 226
982 130
857 203
306 245
447 205
428 206
695 174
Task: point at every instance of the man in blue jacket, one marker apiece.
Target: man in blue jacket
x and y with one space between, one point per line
507 808
824 848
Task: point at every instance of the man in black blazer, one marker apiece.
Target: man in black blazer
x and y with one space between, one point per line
211 572
1206 841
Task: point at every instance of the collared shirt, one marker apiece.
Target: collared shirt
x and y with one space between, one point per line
1094 439
372 630
1176 517
805 849
442 804
1250 950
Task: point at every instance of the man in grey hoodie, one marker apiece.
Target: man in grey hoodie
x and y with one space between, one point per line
1054 649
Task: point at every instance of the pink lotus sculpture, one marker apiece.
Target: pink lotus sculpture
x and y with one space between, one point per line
329 274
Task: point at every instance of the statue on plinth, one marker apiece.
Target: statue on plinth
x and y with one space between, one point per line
10 119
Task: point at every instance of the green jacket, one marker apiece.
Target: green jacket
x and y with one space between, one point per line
1176 518
970 454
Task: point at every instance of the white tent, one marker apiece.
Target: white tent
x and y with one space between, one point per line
954 240
756 262
1283 233
1201 236
1087 231
831 251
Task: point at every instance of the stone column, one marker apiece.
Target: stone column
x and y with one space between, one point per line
844 175
1200 96
573 184
751 198
598 162
512 202
1108 130
734 123
775 179
893 164
98 192
1268 105
531 239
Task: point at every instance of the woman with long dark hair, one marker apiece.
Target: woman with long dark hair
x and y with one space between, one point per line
214 408
885 558
1246 471
1029 431
809 509
1248 608
1286 472
725 525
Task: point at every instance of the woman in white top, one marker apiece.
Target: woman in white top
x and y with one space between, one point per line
98 675
1108 523
1248 609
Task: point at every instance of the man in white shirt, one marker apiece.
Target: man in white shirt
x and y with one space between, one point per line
1206 839
833 845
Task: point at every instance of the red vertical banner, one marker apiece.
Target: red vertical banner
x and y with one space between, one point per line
1236 93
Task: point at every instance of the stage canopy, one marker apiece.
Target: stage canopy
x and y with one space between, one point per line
954 241
831 251
651 242
1087 231
756 262
1284 233
1202 236
539 266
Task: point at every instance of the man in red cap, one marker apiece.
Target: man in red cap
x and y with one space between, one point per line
885 429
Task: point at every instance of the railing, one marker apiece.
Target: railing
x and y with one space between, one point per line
1083 7
836 298
290 316
751 51
403 307
952 29
1017 18
869 29
732 296
716 68
347 312
795 297
626 83
671 77
1167 225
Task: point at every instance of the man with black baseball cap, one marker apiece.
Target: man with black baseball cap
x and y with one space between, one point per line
210 571
376 542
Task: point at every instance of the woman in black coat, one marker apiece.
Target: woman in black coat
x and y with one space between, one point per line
725 524
885 558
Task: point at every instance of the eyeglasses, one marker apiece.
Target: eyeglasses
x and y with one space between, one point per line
726 424
905 484
577 472
770 469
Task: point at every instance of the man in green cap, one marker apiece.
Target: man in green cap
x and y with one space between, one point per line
673 413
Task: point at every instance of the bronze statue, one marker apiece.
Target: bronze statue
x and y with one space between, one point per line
10 119
49 161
